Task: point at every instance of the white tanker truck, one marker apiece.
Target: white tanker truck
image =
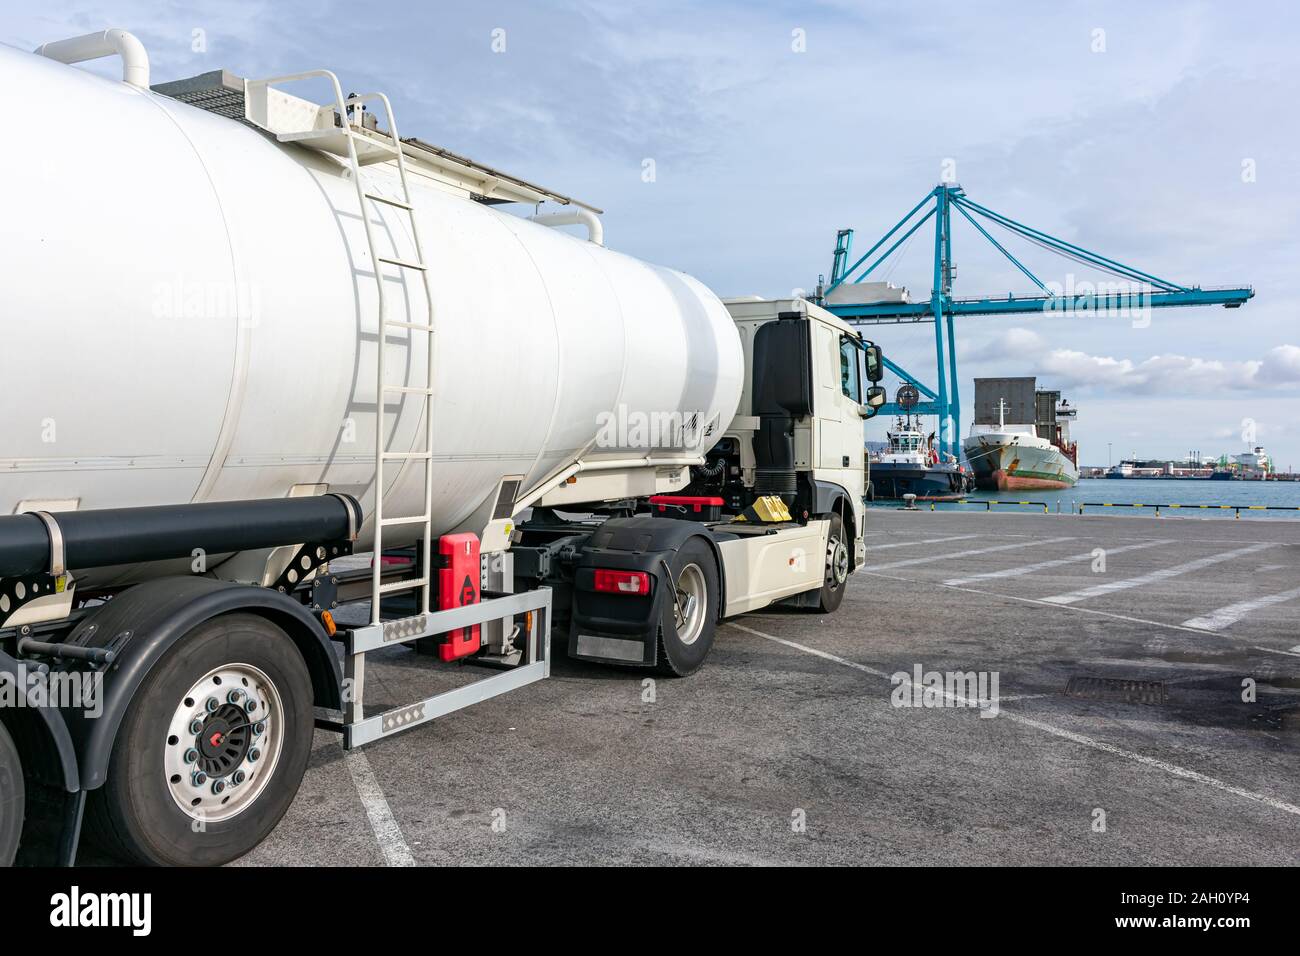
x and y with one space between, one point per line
251 337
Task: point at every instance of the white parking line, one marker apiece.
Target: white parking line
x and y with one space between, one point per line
1002 595
1082 739
1055 563
387 832
1221 618
1153 576
966 554
909 544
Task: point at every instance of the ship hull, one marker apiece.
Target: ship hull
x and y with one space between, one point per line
889 480
1002 481
1012 466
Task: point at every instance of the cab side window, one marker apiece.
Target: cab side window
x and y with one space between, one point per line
850 369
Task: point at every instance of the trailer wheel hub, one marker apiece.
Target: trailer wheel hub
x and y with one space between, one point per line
223 743
225 739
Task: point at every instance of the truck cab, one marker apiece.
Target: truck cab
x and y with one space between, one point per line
834 372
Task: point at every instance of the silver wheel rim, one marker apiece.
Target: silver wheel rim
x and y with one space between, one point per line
692 601
219 754
837 563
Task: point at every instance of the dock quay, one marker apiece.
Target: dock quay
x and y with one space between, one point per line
790 745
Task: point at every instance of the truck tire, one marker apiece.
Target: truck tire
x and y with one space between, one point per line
683 648
211 751
11 798
837 568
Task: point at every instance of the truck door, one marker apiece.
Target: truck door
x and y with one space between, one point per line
839 421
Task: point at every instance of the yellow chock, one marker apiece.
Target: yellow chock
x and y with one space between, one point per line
769 509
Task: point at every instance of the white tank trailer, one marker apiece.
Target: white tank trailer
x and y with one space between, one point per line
248 334
192 317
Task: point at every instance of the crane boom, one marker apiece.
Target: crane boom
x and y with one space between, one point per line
1130 291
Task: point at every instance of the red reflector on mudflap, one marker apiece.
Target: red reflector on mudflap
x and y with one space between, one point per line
622 582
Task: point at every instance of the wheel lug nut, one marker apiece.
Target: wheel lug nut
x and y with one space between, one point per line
212 705
238 777
254 755
259 728
233 696
198 778
218 786
251 705
191 755
196 727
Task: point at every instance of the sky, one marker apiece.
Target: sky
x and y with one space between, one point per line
732 139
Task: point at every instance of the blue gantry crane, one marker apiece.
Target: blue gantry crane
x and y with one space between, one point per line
1131 291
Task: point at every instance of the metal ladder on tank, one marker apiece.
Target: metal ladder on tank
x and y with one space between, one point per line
360 150
425 456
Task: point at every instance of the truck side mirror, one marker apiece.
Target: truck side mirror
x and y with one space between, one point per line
875 400
875 366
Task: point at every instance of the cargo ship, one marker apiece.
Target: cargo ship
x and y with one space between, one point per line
1020 439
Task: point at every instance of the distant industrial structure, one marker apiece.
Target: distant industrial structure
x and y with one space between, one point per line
1254 465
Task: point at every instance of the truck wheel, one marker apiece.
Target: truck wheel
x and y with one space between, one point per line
837 567
682 649
211 751
11 798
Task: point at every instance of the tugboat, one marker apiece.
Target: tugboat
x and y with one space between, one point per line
912 465
1225 471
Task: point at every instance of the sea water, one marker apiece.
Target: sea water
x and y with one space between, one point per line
1146 491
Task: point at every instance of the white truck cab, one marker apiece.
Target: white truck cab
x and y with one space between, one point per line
828 443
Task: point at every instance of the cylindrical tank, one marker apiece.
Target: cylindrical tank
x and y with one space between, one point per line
190 315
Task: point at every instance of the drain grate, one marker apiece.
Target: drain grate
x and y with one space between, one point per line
1117 689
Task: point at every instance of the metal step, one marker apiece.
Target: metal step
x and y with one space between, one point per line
406 585
402 263
418 326
389 201
404 519
335 142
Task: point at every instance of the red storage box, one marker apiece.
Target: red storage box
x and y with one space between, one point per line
458 580
690 507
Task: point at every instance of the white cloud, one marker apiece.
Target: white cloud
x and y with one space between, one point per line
1170 374
1175 375
1281 366
1015 343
